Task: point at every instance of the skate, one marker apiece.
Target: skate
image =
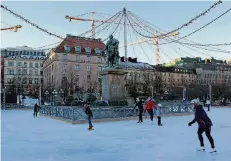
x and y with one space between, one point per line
160 125
201 148
140 122
91 128
213 150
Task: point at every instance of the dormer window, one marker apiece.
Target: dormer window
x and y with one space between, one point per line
97 51
77 49
88 50
67 48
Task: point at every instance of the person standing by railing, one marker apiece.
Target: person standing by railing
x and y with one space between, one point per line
89 115
208 103
139 104
36 110
159 113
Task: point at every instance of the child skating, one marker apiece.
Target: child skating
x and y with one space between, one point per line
89 115
159 113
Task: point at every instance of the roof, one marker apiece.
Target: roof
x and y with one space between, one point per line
138 65
82 42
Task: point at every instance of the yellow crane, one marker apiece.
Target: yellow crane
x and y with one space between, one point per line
70 18
156 40
14 28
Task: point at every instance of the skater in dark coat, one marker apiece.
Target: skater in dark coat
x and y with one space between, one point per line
89 115
36 110
204 123
139 104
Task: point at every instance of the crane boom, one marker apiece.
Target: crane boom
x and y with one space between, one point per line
15 28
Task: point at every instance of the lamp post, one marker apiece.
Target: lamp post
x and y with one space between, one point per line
54 94
61 94
47 93
152 90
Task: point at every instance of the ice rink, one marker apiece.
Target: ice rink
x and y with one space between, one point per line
25 138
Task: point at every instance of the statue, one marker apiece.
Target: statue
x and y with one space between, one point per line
112 52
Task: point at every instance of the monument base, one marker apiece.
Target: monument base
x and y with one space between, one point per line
113 84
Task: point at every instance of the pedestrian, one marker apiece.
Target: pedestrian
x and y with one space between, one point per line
139 104
89 115
159 113
204 123
208 104
36 110
149 107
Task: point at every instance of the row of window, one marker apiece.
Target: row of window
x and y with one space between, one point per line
24 80
24 72
78 49
77 67
77 58
25 64
30 53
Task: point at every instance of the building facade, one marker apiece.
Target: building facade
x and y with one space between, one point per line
23 69
74 65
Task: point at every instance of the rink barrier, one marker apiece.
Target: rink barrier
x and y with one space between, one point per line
77 114
12 106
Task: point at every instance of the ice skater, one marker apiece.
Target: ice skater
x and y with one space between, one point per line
89 115
159 113
36 110
139 104
204 123
149 107
208 103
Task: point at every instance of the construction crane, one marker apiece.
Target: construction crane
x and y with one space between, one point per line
156 40
93 22
14 28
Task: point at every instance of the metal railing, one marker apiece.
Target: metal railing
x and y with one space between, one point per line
11 105
75 114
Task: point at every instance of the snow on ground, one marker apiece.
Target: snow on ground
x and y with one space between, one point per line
25 138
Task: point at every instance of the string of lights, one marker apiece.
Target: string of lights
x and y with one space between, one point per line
185 24
155 29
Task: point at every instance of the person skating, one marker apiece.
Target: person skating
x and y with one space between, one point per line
36 110
204 123
159 113
139 104
89 115
208 103
149 107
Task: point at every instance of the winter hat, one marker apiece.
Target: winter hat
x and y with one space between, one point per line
160 105
195 101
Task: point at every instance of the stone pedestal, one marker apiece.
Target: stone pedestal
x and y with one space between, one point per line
113 84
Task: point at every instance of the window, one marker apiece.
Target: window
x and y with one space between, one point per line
77 49
10 71
67 48
65 57
76 57
10 63
19 64
30 81
35 53
89 59
36 81
41 64
24 72
99 59
65 66
88 77
88 50
36 64
36 72
99 68
88 68
31 64
31 72
25 64
76 67
97 51
19 71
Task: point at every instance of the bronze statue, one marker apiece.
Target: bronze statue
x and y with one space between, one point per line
112 52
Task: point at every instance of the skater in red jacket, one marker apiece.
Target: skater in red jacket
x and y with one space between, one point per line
149 107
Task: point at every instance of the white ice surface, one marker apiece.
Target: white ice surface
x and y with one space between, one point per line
25 138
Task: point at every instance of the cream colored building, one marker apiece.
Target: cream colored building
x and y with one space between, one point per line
23 68
74 65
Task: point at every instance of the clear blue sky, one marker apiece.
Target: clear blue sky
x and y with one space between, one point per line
166 15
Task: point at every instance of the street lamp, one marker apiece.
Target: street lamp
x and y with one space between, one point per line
47 93
61 94
54 94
